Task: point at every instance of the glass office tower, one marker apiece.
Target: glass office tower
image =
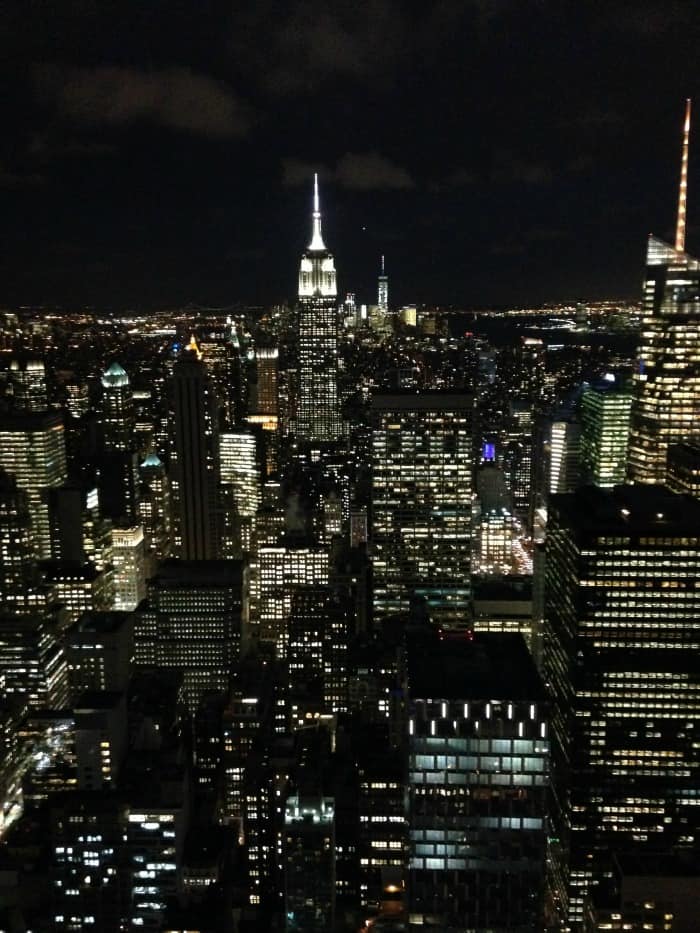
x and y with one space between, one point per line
620 655
605 419
422 493
666 408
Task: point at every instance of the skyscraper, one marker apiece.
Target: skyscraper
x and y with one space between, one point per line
383 289
28 380
620 655
564 455
129 554
33 450
478 777
666 409
422 503
684 469
21 592
192 621
309 850
605 419
155 508
318 416
195 464
118 419
239 476
267 371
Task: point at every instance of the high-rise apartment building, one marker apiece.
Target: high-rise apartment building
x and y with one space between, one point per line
422 503
33 450
620 655
195 461
318 414
666 408
605 423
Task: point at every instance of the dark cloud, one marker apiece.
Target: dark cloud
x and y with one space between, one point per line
650 19
17 180
290 48
366 171
356 171
175 98
521 244
511 168
46 147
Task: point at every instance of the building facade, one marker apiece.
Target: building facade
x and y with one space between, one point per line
620 648
605 422
422 495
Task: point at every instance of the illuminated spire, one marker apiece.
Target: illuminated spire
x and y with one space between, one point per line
316 237
683 190
192 345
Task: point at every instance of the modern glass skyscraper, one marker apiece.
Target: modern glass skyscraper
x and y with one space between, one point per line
33 450
667 404
422 494
478 777
620 656
666 409
605 419
318 415
118 419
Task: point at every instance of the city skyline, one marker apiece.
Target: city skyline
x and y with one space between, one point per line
490 151
366 599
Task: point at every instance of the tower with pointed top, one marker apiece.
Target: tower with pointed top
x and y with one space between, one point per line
195 460
666 408
318 414
383 288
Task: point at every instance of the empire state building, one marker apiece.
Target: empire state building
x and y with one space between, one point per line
318 417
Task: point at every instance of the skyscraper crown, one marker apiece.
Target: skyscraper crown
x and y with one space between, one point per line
316 243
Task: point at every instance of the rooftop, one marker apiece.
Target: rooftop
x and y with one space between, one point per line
425 400
187 573
626 510
490 666
102 622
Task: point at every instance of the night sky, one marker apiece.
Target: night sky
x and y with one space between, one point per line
496 151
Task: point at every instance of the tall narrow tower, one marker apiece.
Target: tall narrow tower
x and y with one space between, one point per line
383 288
318 416
666 408
195 464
